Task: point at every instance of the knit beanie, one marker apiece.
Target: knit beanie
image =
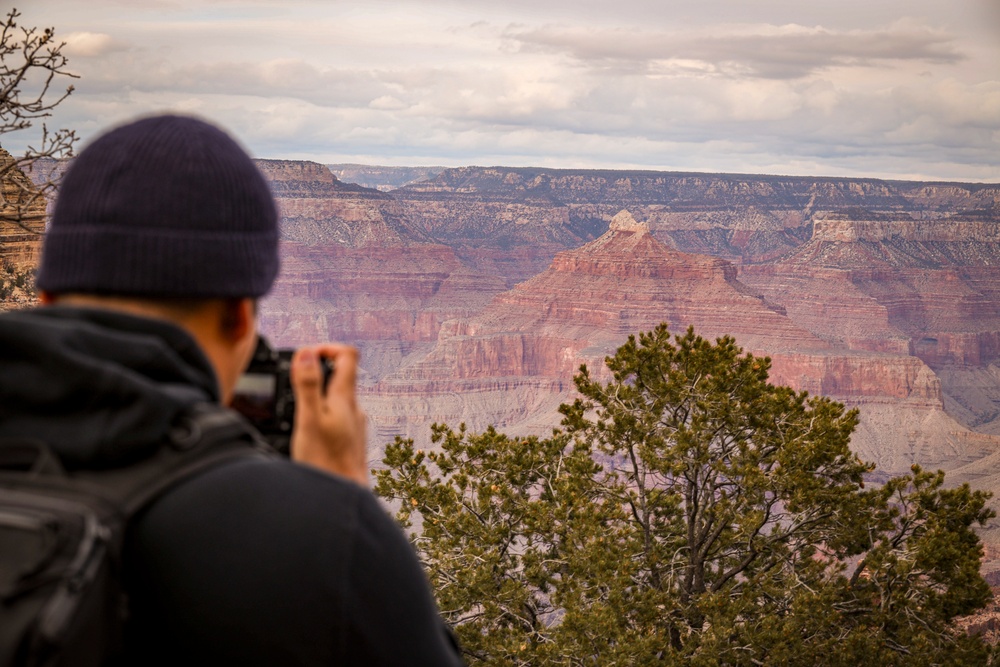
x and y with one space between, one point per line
168 206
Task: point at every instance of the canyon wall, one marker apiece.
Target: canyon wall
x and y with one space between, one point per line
353 271
22 216
475 295
380 177
879 293
739 217
513 362
925 287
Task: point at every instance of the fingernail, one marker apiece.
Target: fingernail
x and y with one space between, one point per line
307 358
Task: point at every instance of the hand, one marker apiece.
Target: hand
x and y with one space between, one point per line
330 429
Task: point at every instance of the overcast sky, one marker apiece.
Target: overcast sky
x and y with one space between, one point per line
885 88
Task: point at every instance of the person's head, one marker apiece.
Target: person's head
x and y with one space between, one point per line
167 217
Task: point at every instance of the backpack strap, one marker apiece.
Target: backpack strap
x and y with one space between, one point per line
79 598
29 457
204 436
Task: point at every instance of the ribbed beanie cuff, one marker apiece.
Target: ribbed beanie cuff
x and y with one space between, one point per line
168 206
158 264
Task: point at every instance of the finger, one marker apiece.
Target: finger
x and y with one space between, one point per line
345 367
307 377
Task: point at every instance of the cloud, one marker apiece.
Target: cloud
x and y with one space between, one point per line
811 88
90 44
283 78
388 103
759 51
534 111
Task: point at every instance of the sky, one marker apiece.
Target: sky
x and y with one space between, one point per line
899 89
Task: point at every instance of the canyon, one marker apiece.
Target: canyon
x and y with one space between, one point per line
382 178
22 226
22 214
475 294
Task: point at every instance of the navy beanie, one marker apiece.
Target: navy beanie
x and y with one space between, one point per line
168 206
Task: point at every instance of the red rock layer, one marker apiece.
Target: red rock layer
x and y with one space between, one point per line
528 343
926 287
316 208
399 295
352 272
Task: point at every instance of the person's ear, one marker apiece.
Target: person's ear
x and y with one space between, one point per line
239 318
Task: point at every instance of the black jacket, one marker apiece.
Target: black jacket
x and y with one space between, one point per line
256 562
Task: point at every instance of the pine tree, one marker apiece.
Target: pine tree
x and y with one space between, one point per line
689 512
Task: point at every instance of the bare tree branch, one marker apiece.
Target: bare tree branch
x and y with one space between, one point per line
32 64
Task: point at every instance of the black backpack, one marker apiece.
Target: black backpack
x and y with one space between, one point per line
62 601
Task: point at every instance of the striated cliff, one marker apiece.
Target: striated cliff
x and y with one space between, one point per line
841 228
382 178
698 192
386 300
475 295
353 272
318 208
22 212
739 217
513 362
922 287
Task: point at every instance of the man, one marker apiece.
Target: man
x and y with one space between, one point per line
163 237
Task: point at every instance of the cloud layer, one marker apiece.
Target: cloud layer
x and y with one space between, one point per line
907 90
758 51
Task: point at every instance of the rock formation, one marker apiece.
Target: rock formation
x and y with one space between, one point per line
874 292
739 217
382 178
353 272
22 216
474 295
389 301
513 362
317 208
920 287
22 224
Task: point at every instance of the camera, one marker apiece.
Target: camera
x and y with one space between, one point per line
264 393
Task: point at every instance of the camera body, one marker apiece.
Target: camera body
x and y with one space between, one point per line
264 394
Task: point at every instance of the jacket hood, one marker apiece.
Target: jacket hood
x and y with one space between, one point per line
99 387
